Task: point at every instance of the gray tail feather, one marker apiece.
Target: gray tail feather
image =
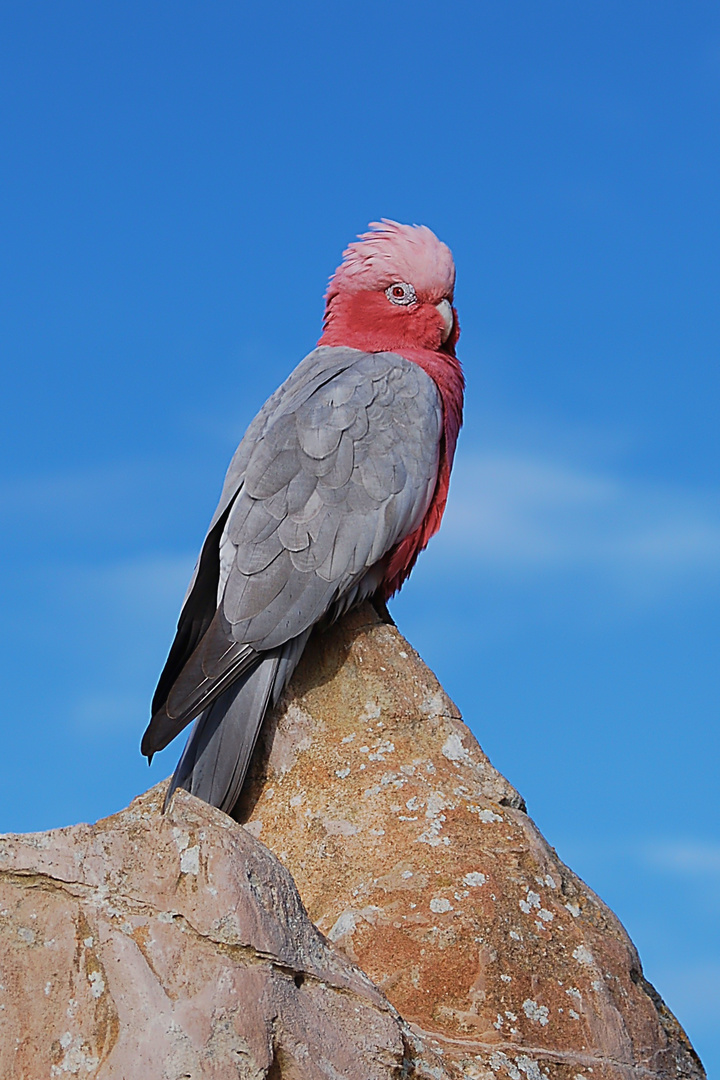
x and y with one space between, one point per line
217 755
288 657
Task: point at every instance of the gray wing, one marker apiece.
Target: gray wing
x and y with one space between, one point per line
316 369
339 466
332 485
201 652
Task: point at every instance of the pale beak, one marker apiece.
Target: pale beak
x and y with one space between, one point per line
445 309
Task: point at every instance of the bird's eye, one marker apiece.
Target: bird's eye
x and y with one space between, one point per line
401 293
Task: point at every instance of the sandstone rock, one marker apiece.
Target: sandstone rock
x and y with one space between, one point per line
148 947
177 947
417 858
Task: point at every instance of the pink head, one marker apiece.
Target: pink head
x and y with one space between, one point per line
393 291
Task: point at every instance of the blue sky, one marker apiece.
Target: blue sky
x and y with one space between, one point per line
178 182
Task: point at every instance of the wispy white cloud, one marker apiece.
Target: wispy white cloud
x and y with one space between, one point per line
149 582
119 621
107 713
74 489
684 857
687 859
692 991
106 509
526 512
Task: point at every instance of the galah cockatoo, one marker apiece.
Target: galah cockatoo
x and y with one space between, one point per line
339 483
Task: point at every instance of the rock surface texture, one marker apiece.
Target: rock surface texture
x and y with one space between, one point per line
415 857
166 948
176 947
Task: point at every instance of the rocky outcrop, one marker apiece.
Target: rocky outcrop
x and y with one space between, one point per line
150 946
414 856
176 946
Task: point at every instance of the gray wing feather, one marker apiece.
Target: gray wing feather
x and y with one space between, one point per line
215 760
353 468
217 755
316 369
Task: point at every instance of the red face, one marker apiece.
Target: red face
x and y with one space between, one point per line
391 320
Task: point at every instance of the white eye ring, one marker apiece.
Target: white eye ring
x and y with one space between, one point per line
401 293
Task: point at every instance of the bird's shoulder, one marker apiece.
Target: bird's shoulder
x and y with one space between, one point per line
340 417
